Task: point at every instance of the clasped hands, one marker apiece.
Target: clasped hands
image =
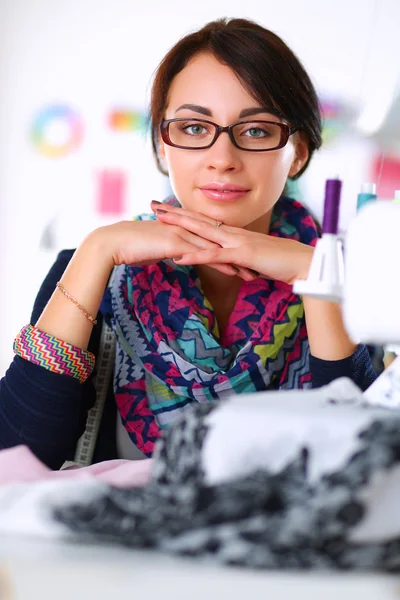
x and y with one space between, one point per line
237 251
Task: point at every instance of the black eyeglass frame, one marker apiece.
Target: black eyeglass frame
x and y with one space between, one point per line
286 132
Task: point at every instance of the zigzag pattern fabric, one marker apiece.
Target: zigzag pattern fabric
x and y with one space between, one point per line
53 354
170 353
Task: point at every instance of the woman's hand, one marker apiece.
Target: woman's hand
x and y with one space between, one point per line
148 242
272 257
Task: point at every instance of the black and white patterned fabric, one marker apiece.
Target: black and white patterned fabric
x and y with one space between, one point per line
284 480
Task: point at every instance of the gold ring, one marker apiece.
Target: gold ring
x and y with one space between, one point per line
218 224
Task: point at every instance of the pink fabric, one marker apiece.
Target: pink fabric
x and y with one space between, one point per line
19 465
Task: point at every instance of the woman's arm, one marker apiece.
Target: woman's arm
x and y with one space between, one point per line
357 367
45 409
127 242
326 332
38 408
85 279
333 353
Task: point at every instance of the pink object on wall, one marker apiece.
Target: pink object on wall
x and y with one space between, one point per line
387 175
111 192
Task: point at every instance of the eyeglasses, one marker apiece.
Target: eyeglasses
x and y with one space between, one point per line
253 136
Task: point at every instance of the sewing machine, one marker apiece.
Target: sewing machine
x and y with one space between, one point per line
362 277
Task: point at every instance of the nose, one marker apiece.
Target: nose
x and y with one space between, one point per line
223 155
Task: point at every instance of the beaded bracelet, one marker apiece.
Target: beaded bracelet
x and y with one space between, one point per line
53 354
75 301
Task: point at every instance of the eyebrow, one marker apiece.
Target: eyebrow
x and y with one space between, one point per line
246 112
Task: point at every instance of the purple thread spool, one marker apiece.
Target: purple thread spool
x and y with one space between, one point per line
333 189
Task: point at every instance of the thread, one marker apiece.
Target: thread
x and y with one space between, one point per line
333 189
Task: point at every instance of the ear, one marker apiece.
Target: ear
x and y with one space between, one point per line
301 154
161 148
161 153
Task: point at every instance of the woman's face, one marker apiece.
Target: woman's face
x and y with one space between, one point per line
216 94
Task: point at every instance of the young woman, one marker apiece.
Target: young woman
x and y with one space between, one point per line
200 298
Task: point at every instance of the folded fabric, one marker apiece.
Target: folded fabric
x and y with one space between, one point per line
18 465
271 480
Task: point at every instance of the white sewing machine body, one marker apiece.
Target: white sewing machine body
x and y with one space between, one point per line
372 290
372 281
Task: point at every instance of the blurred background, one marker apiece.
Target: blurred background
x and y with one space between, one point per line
74 85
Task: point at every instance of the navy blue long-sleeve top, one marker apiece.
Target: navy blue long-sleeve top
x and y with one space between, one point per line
47 411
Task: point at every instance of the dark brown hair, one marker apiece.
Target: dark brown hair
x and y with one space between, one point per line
264 64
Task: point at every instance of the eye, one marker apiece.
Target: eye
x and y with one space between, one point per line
256 132
193 129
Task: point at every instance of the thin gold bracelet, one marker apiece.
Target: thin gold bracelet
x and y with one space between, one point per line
74 301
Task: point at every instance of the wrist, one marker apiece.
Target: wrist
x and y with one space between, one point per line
96 247
85 280
301 262
305 259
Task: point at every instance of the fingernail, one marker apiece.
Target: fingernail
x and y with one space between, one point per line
177 258
161 212
156 202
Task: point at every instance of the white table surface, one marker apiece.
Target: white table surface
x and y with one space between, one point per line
45 570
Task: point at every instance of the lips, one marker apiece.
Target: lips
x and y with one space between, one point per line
224 192
224 187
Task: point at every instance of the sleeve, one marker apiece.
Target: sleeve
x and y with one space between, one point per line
44 410
357 367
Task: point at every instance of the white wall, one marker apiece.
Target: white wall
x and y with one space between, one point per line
95 55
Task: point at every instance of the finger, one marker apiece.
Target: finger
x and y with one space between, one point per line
196 240
208 256
160 207
189 243
200 228
226 269
246 274
204 244
214 256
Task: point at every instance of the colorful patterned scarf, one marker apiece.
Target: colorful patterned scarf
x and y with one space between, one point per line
169 352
